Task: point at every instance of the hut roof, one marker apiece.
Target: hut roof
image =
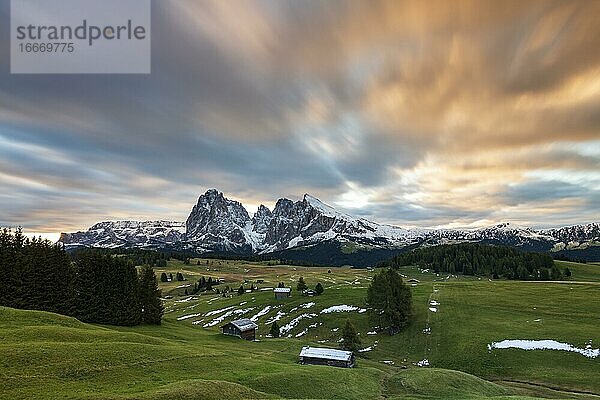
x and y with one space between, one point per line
243 324
328 354
282 290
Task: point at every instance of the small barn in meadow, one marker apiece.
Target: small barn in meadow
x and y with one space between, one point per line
325 356
282 293
242 328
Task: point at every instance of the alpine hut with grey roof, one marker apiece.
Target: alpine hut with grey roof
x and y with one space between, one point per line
282 293
325 356
242 328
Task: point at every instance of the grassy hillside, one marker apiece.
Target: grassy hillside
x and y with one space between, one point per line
48 356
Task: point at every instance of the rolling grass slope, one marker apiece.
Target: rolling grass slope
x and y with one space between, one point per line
48 356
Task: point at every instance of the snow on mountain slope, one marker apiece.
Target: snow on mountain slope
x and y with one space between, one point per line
216 223
126 234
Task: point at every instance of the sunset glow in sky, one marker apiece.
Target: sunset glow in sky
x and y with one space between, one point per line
420 113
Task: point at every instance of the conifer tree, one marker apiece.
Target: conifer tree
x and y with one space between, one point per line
152 306
389 301
319 288
350 340
241 290
275 331
301 285
163 277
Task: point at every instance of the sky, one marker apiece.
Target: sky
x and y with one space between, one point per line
435 114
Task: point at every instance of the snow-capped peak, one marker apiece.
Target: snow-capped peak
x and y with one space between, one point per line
219 224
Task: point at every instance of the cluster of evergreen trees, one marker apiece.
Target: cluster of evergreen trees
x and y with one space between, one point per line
110 290
35 274
152 258
302 286
204 284
482 260
94 286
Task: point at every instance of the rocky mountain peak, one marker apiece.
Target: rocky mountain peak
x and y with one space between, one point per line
216 223
217 220
283 207
261 219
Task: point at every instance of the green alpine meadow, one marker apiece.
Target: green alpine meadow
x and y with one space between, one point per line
444 352
299 199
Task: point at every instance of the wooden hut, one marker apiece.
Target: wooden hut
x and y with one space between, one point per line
282 293
325 356
242 328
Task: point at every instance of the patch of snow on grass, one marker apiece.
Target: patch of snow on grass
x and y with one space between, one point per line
289 326
423 363
277 317
388 362
365 349
372 333
305 306
215 312
302 333
432 309
186 300
226 315
188 316
342 308
588 351
262 312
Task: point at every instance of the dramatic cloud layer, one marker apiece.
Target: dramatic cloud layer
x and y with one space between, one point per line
451 113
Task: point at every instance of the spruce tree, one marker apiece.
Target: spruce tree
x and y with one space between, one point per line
163 277
301 286
241 290
350 340
319 288
274 330
151 304
389 301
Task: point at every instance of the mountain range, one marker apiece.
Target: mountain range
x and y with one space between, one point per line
311 231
